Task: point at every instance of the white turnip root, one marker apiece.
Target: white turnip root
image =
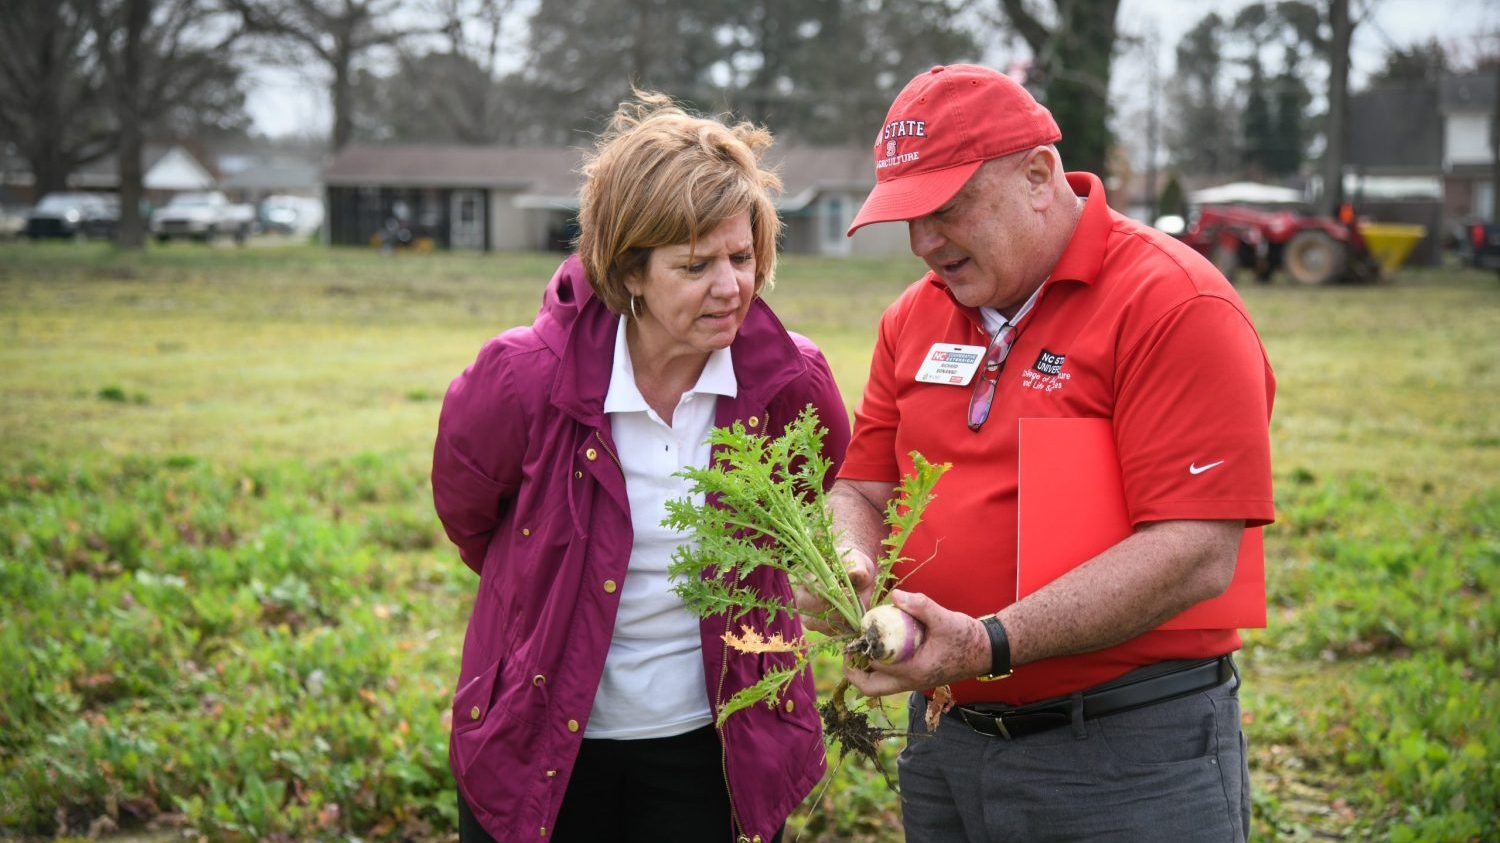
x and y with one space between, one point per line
888 635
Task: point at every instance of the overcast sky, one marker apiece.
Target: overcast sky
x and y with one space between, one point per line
286 102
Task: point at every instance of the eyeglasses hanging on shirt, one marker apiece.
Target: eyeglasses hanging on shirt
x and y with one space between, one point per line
983 396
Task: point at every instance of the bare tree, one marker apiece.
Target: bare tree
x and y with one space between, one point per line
1201 133
584 56
825 71
815 71
157 55
461 83
488 18
429 96
1072 58
337 33
446 86
51 90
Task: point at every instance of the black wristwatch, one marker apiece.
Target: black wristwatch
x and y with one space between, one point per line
999 649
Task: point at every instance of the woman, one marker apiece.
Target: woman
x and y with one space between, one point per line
586 702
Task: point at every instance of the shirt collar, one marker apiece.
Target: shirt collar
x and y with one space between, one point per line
994 320
1084 255
717 377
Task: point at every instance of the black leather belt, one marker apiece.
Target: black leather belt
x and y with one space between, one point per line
1146 686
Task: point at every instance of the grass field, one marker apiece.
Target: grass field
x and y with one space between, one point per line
227 605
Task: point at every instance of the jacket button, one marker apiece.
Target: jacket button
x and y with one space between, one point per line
525 531
789 706
754 421
609 586
577 475
572 725
591 455
474 713
551 774
544 831
539 680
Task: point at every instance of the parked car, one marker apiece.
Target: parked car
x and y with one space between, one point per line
202 216
296 215
74 215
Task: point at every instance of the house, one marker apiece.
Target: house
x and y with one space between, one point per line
1421 153
258 178
463 197
167 168
509 198
823 188
1469 102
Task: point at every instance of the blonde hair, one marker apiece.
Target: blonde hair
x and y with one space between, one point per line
659 176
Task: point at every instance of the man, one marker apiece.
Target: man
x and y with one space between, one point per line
1103 725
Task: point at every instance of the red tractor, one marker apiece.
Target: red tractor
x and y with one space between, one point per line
1310 250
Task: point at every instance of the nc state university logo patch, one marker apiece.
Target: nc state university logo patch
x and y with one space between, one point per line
1046 374
1048 363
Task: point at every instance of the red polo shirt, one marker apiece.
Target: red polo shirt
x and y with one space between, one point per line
1131 326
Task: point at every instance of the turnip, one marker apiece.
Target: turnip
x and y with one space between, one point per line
769 510
888 635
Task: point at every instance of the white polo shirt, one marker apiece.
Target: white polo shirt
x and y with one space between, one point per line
653 684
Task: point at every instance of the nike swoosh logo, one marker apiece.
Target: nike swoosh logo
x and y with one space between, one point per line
1194 468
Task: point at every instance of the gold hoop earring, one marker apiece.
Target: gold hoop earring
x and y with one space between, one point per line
633 314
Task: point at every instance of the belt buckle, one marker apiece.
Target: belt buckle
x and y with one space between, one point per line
1000 724
973 717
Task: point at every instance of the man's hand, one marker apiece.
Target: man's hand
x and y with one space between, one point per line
957 648
861 573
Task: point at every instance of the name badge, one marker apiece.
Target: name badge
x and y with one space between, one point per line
950 364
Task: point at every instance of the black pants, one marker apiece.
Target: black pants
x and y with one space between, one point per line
658 789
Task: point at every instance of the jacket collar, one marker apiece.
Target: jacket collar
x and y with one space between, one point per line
580 330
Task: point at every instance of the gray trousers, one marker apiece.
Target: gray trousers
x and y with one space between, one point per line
1171 771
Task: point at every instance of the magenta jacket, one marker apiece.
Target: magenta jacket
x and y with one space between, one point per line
527 484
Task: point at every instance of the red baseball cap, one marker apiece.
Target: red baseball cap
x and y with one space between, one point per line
942 126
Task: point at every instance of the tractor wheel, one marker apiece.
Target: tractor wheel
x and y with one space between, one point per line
1313 257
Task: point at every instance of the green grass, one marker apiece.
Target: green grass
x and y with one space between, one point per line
228 606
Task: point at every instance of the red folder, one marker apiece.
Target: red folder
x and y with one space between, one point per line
1072 507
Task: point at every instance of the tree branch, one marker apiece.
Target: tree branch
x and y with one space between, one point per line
1031 29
